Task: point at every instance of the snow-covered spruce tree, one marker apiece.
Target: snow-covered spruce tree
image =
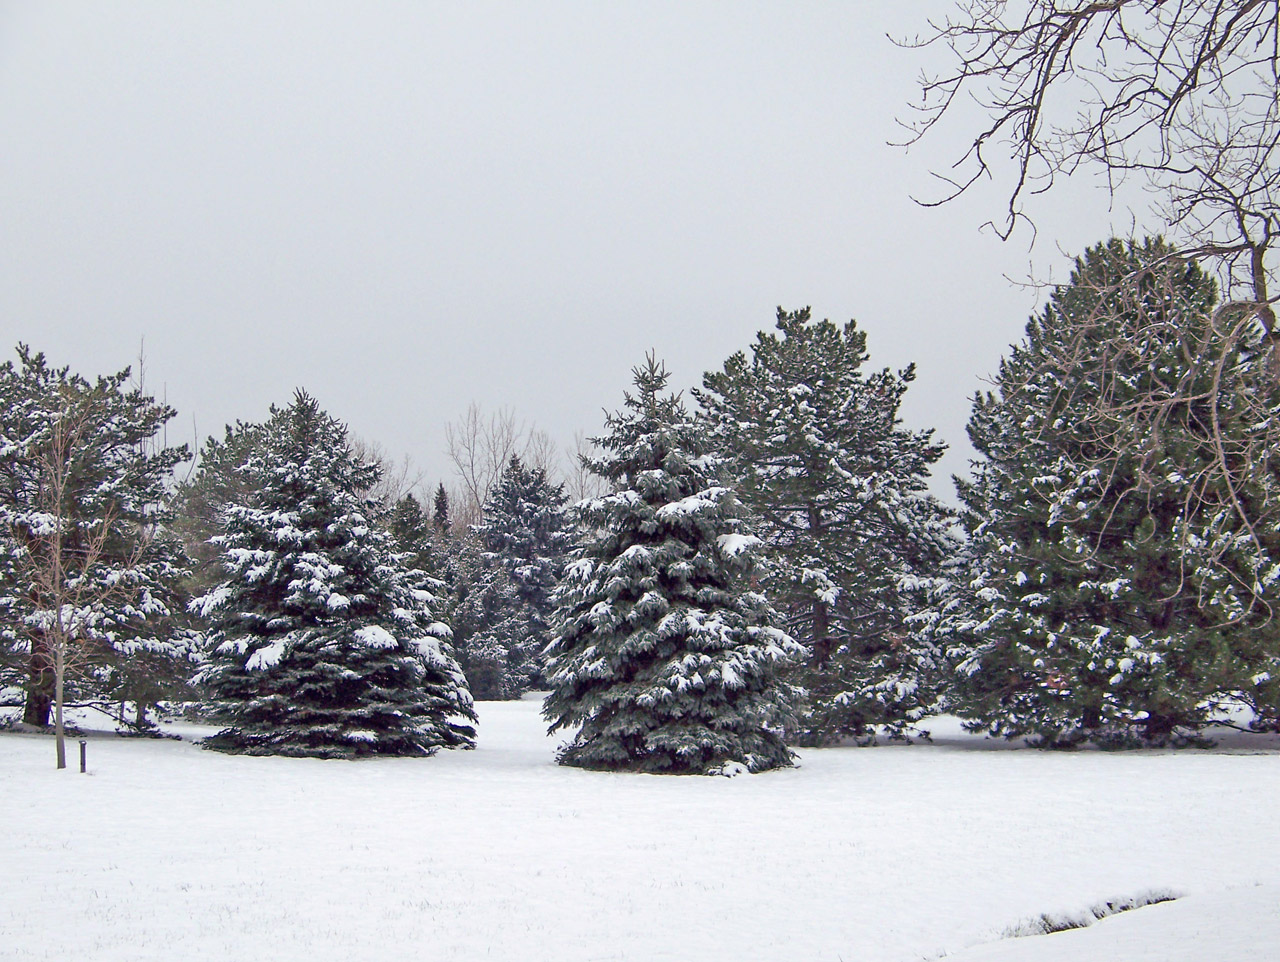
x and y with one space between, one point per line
319 641
479 593
500 575
852 536
527 535
88 567
1108 598
666 658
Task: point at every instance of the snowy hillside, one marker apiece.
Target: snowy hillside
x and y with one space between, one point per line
891 854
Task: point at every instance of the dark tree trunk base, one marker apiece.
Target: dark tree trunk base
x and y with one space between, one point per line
36 711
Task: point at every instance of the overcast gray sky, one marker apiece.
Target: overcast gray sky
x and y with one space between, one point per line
407 206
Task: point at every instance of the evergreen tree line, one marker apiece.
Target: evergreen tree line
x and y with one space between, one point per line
766 567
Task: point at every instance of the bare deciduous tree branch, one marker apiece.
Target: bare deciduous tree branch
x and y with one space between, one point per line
1182 94
397 478
480 446
1137 417
63 555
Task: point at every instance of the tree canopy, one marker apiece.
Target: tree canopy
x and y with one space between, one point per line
320 641
666 658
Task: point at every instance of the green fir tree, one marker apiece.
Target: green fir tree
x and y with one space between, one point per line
526 537
320 642
666 658
1106 597
853 537
440 512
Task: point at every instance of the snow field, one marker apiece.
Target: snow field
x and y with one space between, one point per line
891 854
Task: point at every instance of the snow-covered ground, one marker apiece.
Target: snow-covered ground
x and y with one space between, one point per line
1232 925
888 854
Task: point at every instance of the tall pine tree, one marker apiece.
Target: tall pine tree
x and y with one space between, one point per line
1107 597
320 643
525 538
839 487
666 658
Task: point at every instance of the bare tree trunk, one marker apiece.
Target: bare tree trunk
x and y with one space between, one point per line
59 570
59 734
1090 718
821 634
40 686
821 613
1266 312
39 704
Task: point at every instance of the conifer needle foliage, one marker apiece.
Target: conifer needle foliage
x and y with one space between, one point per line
1114 593
319 642
852 535
667 658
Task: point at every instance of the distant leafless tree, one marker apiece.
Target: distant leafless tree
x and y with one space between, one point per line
398 477
580 481
480 445
464 510
541 451
1180 94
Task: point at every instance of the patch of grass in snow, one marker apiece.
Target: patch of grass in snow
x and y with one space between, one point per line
1046 923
